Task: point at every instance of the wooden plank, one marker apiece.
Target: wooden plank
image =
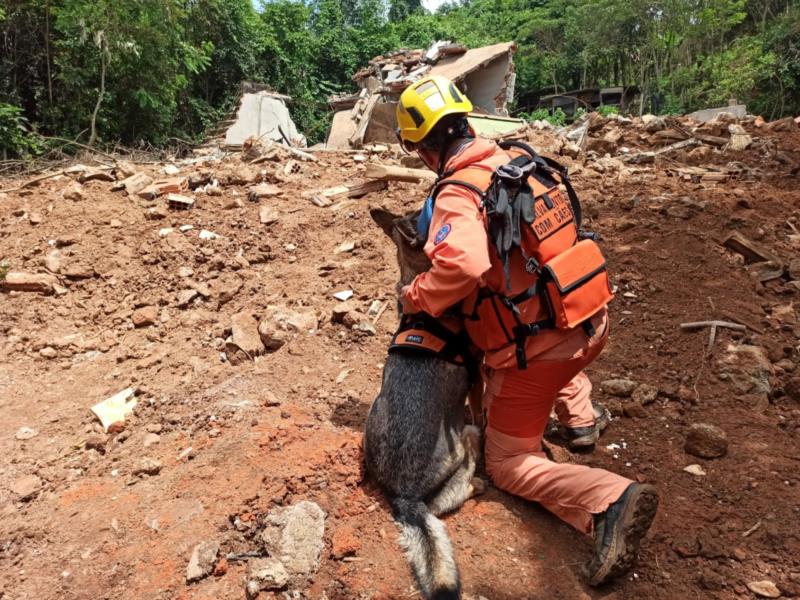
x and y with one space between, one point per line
392 173
752 252
328 196
711 139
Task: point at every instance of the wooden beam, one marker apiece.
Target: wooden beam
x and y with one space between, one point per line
328 196
392 173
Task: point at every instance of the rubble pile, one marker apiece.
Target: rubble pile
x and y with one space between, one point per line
190 348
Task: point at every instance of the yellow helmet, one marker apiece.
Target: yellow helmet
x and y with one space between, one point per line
423 104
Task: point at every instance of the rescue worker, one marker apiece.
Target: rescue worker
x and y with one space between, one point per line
526 377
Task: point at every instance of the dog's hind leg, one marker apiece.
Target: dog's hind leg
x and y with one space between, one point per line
462 484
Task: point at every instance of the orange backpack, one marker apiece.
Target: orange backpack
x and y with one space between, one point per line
548 264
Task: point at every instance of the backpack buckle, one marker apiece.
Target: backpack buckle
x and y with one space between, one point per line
532 266
510 173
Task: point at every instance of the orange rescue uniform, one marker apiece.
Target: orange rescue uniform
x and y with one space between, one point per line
518 402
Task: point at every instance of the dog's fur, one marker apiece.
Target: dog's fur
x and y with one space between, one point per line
415 443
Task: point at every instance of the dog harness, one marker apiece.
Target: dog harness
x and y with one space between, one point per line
421 333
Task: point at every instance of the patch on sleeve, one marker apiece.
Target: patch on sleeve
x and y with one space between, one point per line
442 233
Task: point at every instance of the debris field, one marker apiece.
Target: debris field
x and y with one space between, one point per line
189 349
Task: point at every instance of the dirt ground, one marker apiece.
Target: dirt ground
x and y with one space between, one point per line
235 441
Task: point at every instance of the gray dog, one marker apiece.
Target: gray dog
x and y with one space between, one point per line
416 444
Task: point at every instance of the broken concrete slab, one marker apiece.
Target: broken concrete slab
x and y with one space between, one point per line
263 115
709 114
326 197
202 561
294 535
16 281
245 335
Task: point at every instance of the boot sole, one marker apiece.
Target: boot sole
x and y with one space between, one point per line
633 525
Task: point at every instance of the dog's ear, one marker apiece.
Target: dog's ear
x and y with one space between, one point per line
407 228
384 219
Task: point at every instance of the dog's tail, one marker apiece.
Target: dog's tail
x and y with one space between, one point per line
424 538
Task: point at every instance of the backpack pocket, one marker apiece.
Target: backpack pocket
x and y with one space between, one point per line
577 284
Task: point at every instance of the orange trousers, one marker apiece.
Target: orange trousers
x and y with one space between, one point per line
519 404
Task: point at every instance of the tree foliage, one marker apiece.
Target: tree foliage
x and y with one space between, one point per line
148 70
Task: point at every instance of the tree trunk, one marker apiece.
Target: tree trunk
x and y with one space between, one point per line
47 52
93 134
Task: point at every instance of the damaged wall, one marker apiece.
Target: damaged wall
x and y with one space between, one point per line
487 87
263 115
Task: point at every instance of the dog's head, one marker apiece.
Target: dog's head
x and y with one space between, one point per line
403 232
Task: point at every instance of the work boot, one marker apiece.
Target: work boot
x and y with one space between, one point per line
618 532
582 437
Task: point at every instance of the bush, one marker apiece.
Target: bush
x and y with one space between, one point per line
557 119
607 110
15 138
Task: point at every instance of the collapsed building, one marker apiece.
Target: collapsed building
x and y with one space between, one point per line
485 74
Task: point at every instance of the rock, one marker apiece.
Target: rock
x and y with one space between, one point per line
764 589
619 387
268 215
706 441
634 410
340 312
245 334
97 442
294 535
345 542
124 169
185 297
739 138
77 270
747 368
344 295
48 352
272 335
147 315
694 470
148 466
156 213
224 288
34 218
784 314
74 192
645 394
42 283
52 262
792 388
202 561
346 246
653 123
366 327
785 124
686 547
27 487
91 174
151 439
25 433
265 574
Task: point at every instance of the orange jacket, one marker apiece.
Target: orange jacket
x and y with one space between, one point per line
462 257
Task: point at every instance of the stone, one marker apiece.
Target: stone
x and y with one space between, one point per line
619 387
145 316
185 272
272 335
156 213
224 288
344 295
634 410
784 314
696 470
706 441
265 574
48 352
245 334
747 368
294 535
151 439
124 169
366 327
185 297
97 442
340 311
267 215
764 589
25 433
645 394
52 261
792 388
74 192
34 218
16 281
345 542
686 547
26 487
148 466
202 561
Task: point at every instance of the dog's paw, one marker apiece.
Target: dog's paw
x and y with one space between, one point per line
478 486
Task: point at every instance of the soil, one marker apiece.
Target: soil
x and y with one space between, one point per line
287 425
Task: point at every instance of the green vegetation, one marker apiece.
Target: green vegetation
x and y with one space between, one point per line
102 71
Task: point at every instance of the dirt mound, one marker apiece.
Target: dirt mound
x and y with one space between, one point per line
252 378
